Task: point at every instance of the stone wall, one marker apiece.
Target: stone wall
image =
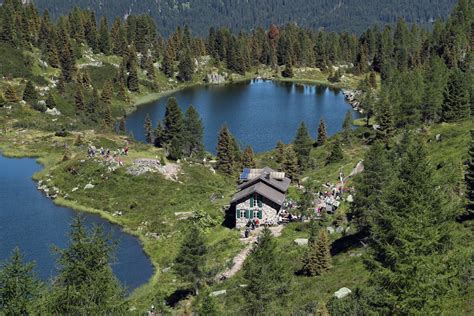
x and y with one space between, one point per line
269 212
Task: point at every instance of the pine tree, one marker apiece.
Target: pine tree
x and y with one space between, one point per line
104 37
194 132
469 179
173 123
19 287
225 154
10 94
85 79
290 164
85 283
61 83
132 79
267 278
373 80
384 118
302 145
317 259
159 134
436 79
347 124
336 153
79 100
322 134
190 262
369 185
50 101
148 129
107 116
279 152
185 67
29 94
411 258
456 98
168 63
150 69
122 93
248 159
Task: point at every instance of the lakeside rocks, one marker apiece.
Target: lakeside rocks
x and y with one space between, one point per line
216 78
352 97
144 165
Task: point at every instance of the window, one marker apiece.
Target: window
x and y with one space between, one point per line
256 214
243 213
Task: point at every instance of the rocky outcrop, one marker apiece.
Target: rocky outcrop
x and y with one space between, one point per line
216 78
352 97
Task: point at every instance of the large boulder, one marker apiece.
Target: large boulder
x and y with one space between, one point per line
330 230
342 292
88 186
218 293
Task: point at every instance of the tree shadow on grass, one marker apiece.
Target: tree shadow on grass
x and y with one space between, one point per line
177 296
348 242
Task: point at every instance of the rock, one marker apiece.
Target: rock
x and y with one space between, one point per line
41 102
342 292
348 228
330 230
301 241
166 269
350 198
218 293
243 285
74 189
53 111
88 186
183 215
438 137
339 229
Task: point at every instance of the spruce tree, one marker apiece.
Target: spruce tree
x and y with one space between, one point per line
10 94
267 278
436 79
279 152
373 80
236 152
322 134
248 159
336 153
456 98
318 255
173 123
384 117
107 116
93 106
190 262
104 37
159 134
148 129
29 94
50 101
347 124
107 93
412 260
185 67
85 283
225 154
167 65
194 132
19 287
122 126
132 79
79 100
302 145
290 164
370 184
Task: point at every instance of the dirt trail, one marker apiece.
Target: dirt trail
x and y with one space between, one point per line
239 259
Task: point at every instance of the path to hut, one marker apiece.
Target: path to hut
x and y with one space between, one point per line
239 260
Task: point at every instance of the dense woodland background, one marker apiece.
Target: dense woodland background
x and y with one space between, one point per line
334 15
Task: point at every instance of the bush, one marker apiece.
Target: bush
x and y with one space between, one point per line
39 106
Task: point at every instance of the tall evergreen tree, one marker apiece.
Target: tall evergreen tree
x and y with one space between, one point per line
336 153
79 100
248 159
194 132
302 145
317 258
122 126
132 79
173 122
347 124
225 153
189 263
159 134
85 283
456 98
50 101
267 278
322 134
19 287
290 164
411 257
185 67
384 117
469 179
104 36
436 78
279 152
29 94
148 129
10 94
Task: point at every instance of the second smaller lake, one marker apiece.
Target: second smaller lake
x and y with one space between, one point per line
258 112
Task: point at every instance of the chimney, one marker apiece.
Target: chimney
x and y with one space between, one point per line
267 175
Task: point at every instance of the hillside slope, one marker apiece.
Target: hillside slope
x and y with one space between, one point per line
341 15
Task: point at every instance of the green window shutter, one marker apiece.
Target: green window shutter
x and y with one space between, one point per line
260 214
237 213
246 213
259 200
251 201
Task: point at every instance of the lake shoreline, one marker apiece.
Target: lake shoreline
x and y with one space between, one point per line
73 205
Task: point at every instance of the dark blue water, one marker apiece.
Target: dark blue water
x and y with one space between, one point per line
34 223
258 113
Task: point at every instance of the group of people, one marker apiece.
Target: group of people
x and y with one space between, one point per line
107 154
251 225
